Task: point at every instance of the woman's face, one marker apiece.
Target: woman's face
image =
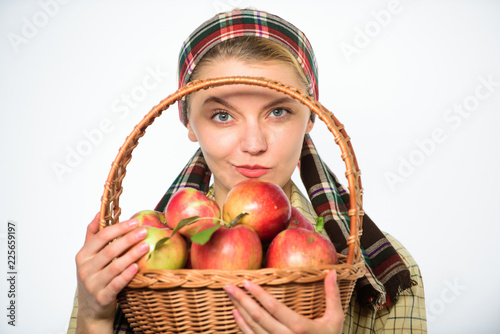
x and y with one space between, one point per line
248 131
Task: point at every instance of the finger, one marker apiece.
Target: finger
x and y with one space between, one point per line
240 321
281 312
108 234
92 228
106 283
88 266
120 272
255 316
244 304
118 266
333 310
116 248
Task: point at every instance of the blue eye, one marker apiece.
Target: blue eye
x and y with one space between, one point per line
222 117
279 112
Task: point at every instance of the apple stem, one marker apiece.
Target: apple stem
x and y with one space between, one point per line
236 220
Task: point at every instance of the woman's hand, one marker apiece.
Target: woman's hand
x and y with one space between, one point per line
105 265
275 317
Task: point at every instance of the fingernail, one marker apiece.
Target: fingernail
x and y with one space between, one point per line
247 284
143 247
141 233
133 269
236 314
229 290
133 222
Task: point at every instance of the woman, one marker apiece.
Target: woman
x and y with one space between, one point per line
253 132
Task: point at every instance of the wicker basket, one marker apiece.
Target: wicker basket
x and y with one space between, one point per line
194 301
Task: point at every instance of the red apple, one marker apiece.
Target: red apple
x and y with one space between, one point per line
150 218
232 248
298 220
189 202
298 247
171 255
266 204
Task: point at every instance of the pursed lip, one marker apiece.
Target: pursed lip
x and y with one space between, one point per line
252 171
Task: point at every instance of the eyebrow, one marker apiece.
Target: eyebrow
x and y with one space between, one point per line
218 100
285 99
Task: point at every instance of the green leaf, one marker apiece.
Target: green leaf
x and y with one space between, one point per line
204 236
158 244
320 224
182 223
186 222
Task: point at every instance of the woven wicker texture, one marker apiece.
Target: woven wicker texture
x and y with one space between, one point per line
193 301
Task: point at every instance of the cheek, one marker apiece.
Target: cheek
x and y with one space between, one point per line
217 143
287 144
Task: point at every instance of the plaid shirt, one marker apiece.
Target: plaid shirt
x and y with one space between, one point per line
407 315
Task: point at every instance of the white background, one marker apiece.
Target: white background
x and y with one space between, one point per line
69 67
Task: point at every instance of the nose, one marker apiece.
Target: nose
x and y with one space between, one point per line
253 139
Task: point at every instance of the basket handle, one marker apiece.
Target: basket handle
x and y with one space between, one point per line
110 208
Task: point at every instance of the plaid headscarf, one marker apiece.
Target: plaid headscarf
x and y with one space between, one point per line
386 275
246 22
